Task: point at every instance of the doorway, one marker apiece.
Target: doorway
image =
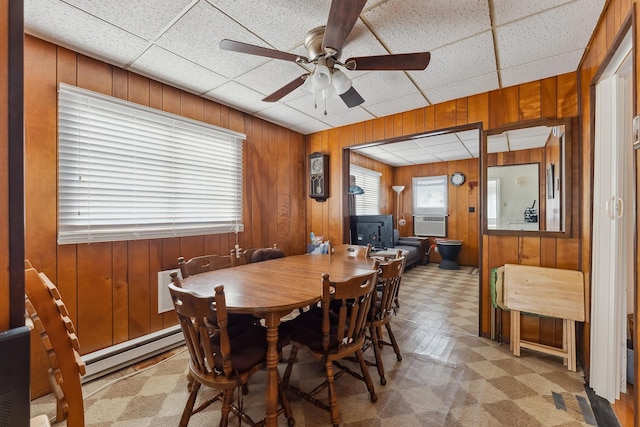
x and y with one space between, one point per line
613 280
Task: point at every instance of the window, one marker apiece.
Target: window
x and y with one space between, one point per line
367 203
430 195
126 172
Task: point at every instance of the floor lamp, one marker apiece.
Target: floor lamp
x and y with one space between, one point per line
398 189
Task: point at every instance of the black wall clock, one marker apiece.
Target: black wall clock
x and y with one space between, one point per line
319 176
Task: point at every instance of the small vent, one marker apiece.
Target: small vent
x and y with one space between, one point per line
164 297
435 226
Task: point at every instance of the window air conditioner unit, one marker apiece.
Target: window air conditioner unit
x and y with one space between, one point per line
431 226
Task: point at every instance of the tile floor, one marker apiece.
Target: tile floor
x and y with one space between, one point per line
448 376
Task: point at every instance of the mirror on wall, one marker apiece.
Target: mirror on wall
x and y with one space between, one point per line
526 185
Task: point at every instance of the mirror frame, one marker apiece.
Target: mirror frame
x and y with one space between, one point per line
566 185
346 161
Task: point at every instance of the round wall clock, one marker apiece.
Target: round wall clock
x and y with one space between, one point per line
457 179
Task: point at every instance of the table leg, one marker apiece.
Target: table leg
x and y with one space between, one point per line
272 321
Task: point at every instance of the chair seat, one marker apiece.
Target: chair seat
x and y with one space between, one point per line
248 347
306 329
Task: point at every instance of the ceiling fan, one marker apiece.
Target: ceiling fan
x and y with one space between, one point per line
324 46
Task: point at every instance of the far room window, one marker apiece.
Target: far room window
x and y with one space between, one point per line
430 195
127 172
367 202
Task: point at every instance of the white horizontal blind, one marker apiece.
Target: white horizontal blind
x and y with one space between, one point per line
430 195
126 172
369 180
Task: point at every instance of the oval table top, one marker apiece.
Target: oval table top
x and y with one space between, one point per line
276 285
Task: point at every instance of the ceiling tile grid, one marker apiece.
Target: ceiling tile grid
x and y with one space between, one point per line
476 46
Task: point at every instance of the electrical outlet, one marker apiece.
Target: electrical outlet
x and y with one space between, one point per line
636 130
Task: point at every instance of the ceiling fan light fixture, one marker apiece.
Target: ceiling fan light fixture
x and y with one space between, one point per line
321 77
341 83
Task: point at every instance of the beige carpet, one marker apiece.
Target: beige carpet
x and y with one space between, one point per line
448 376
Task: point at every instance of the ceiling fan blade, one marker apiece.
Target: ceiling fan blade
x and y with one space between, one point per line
352 98
286 89
342 17
235 46
402 61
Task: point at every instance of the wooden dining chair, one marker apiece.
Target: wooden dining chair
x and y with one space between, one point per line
382 311
248 256
355 251
330 337
51 321
203 263
224 361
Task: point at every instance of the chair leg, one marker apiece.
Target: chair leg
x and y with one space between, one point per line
227 401
366 376
394 343
333 400
191 401
376 352
284 401
287 373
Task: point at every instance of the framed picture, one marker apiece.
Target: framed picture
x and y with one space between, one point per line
550 182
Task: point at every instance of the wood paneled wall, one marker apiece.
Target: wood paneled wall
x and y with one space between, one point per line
461 224
554 97
111 288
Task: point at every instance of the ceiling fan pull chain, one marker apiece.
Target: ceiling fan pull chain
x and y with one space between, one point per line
324 95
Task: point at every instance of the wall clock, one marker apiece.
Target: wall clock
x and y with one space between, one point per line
319 176
457 179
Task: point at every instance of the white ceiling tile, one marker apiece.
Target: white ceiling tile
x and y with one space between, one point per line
162 65
472 86
469 135
75 29
242 97
398 105
271 76
352 115
541 69
505 11
310 127
289 21
452 155
400 146
536 37
470 57
274 113
418 25
422 158
197 36
441 148
378 86
142 18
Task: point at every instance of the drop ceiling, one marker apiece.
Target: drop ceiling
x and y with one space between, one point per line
476 46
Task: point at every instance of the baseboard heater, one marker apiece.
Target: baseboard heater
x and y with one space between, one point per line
105 361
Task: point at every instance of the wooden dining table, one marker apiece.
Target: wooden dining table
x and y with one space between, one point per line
272 289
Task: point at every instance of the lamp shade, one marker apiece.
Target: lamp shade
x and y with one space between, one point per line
340 82
321 77
398 188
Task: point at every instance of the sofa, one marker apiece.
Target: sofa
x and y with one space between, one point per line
415 246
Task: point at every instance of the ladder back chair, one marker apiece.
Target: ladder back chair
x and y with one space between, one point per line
355 251
204 263
261 254
330 337
224 361
51 321
382 310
